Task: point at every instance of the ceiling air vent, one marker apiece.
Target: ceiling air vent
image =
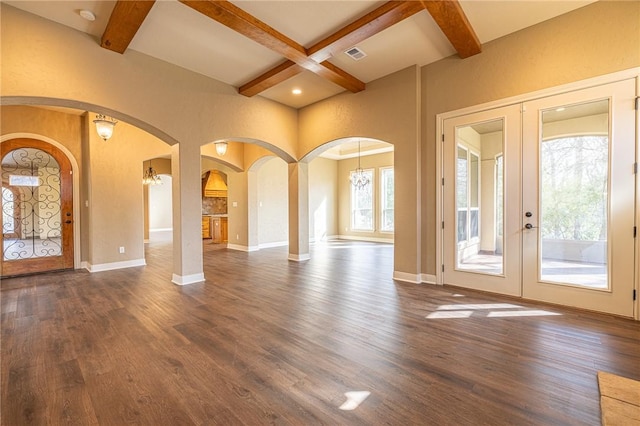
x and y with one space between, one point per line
355 53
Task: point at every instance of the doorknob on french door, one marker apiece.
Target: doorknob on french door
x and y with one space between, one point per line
528 214
529 226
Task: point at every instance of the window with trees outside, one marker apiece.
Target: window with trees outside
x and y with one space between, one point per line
386 199
362 218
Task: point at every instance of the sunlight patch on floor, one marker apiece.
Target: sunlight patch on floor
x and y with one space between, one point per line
354 399
495 310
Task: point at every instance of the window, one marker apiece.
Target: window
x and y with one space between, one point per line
467 194
386 199
362 205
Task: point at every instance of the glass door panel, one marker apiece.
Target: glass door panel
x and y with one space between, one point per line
578 198
477 197
574 183
31 205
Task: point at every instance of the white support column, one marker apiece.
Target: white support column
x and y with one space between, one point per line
187 214
298 211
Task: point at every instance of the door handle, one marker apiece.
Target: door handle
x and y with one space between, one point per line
67 221
529 226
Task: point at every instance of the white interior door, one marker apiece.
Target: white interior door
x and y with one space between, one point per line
481 201
578 198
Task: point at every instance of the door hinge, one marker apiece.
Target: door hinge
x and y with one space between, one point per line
443 224
443 133
635 231
634 294
637 102
443 271
442 181
635 168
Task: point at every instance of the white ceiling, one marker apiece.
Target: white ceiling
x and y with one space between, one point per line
177 34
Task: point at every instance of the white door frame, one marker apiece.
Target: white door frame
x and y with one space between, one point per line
578 85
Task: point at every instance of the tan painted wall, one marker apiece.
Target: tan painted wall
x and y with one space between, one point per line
594 40
323 199
116 202
374 162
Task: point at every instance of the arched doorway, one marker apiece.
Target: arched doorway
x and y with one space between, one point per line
37 208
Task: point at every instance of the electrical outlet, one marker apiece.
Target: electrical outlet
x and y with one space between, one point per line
121 250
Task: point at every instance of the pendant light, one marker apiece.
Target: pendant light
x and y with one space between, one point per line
359 179
151 177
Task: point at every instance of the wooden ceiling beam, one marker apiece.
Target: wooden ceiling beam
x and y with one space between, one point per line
454 24
238 20
370 24
275 76
361 29
124 23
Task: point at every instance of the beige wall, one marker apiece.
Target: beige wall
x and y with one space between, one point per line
375 162
594 40
115 201
273 202
323 199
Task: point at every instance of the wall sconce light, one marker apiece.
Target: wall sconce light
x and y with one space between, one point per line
104 126
221 148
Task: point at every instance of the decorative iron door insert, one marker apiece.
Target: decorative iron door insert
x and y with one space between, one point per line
37 216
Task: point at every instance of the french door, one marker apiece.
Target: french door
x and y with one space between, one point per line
539 199
578 198
37 208
482 202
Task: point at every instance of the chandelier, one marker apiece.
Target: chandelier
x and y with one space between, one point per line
104 126
359 178
151 177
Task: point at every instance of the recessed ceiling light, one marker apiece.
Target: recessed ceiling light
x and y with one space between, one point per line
88 15
296 91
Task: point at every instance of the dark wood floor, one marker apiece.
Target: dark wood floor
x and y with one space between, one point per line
268 341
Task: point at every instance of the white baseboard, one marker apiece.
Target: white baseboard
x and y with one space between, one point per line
113 265
369 239
274 244
406 277
187 279
299 257
160 229
429 279
242 248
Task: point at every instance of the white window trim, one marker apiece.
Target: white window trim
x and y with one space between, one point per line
373 202
382 201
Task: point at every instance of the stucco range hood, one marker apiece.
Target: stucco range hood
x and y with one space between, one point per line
214 185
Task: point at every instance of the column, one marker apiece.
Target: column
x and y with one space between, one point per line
298 211
187 214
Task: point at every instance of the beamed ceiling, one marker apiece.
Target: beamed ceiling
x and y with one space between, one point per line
268 48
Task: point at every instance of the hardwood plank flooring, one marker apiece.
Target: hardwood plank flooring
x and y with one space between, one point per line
269 341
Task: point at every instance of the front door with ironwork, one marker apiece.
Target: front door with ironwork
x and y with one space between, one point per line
37 208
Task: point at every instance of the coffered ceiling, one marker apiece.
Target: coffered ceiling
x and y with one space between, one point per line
268 48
